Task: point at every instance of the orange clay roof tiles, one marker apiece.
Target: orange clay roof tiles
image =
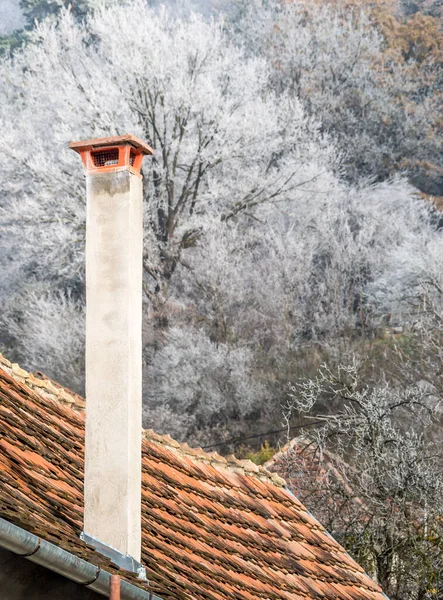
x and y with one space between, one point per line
213 528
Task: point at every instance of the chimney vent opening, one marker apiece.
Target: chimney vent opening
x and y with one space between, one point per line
105 158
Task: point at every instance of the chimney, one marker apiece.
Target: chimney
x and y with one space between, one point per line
114 250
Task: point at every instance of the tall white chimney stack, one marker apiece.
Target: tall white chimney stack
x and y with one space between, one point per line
114 251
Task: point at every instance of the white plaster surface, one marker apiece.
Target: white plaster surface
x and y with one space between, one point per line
114 238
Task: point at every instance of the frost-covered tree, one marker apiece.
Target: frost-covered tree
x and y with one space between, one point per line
255 249
372 475
202 390
415 357
373 82
12 17
327 262
224 145
37 10
205 109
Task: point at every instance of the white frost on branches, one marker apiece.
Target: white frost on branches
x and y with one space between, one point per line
375 478
253 243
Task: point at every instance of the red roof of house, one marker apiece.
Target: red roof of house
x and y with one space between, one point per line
301 462
213 528
309 470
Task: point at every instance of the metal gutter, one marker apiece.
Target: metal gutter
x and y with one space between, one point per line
60 561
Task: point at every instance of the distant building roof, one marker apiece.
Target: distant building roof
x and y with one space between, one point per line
302 462
213 528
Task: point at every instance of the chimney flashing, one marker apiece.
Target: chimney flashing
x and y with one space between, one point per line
124 561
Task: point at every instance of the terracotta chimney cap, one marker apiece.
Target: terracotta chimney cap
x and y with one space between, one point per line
110 154
117 140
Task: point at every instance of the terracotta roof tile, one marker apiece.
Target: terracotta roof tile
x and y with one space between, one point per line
213 527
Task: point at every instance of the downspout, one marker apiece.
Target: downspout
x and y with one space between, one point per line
115 588
60 561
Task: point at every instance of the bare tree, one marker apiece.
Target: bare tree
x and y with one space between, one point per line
372 474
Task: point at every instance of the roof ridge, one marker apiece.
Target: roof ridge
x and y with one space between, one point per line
54 391
44 386
230 463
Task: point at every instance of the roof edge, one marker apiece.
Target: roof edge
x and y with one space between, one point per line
29 546
228 463
43 386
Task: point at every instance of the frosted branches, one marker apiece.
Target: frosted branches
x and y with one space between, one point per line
378 463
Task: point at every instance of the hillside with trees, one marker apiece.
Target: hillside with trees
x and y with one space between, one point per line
282 226
292 232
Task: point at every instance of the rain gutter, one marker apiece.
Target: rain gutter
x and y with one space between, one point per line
64 563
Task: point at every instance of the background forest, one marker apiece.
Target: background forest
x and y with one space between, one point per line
293 266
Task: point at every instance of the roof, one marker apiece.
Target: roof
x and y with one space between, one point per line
116 140
309 470
301 461
213 528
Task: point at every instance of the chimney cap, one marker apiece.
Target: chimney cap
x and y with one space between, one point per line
118 140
